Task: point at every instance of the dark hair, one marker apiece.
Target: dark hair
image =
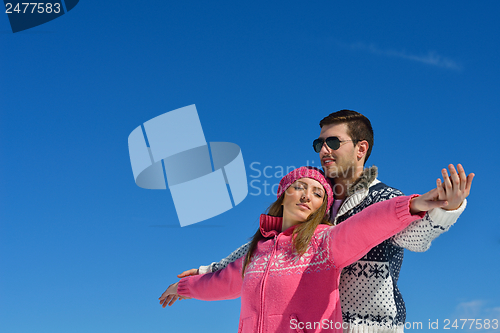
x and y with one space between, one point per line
301 235
359 127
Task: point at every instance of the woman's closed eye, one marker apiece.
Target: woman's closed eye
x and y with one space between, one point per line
318 194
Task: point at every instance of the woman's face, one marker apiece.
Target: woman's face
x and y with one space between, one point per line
302 198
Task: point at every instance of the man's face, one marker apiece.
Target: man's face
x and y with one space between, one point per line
341 162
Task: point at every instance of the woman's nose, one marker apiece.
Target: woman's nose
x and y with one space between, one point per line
306 196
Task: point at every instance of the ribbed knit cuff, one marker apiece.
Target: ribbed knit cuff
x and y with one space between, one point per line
183 287
446 218
205 269
403 208
374 328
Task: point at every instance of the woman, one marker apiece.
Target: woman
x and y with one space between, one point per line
288 281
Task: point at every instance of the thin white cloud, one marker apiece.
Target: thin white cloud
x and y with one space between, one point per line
431 58
477 309
469 309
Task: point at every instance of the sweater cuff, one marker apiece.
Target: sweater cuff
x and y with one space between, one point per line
183 287
446 218
403 208
205 269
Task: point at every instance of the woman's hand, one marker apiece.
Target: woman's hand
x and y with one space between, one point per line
170 295
448 194
426 202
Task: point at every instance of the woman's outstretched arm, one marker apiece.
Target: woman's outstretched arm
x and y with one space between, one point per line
223 284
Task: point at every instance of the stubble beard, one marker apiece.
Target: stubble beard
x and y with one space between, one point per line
340 171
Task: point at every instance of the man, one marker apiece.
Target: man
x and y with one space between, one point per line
370 298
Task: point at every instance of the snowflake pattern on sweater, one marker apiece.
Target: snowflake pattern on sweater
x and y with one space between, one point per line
288 261
368 288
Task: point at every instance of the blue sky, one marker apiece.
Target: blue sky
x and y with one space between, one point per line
83 249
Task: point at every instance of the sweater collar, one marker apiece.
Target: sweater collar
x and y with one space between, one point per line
271 226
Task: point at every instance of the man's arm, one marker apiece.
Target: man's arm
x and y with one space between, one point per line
418 236
216 266
455 188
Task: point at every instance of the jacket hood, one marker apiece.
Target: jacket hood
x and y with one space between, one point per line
363 182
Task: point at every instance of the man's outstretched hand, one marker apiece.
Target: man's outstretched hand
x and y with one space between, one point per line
448 194
455 187
189 272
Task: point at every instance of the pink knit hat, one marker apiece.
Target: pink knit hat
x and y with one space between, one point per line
307 172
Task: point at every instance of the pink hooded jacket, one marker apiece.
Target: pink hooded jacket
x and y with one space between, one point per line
282 292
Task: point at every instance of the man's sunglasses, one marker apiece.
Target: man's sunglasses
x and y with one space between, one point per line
332 142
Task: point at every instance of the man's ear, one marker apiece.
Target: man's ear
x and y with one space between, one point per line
362 149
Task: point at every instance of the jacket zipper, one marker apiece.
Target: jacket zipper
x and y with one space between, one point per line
262 286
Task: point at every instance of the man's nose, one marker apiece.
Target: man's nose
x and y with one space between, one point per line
325 149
